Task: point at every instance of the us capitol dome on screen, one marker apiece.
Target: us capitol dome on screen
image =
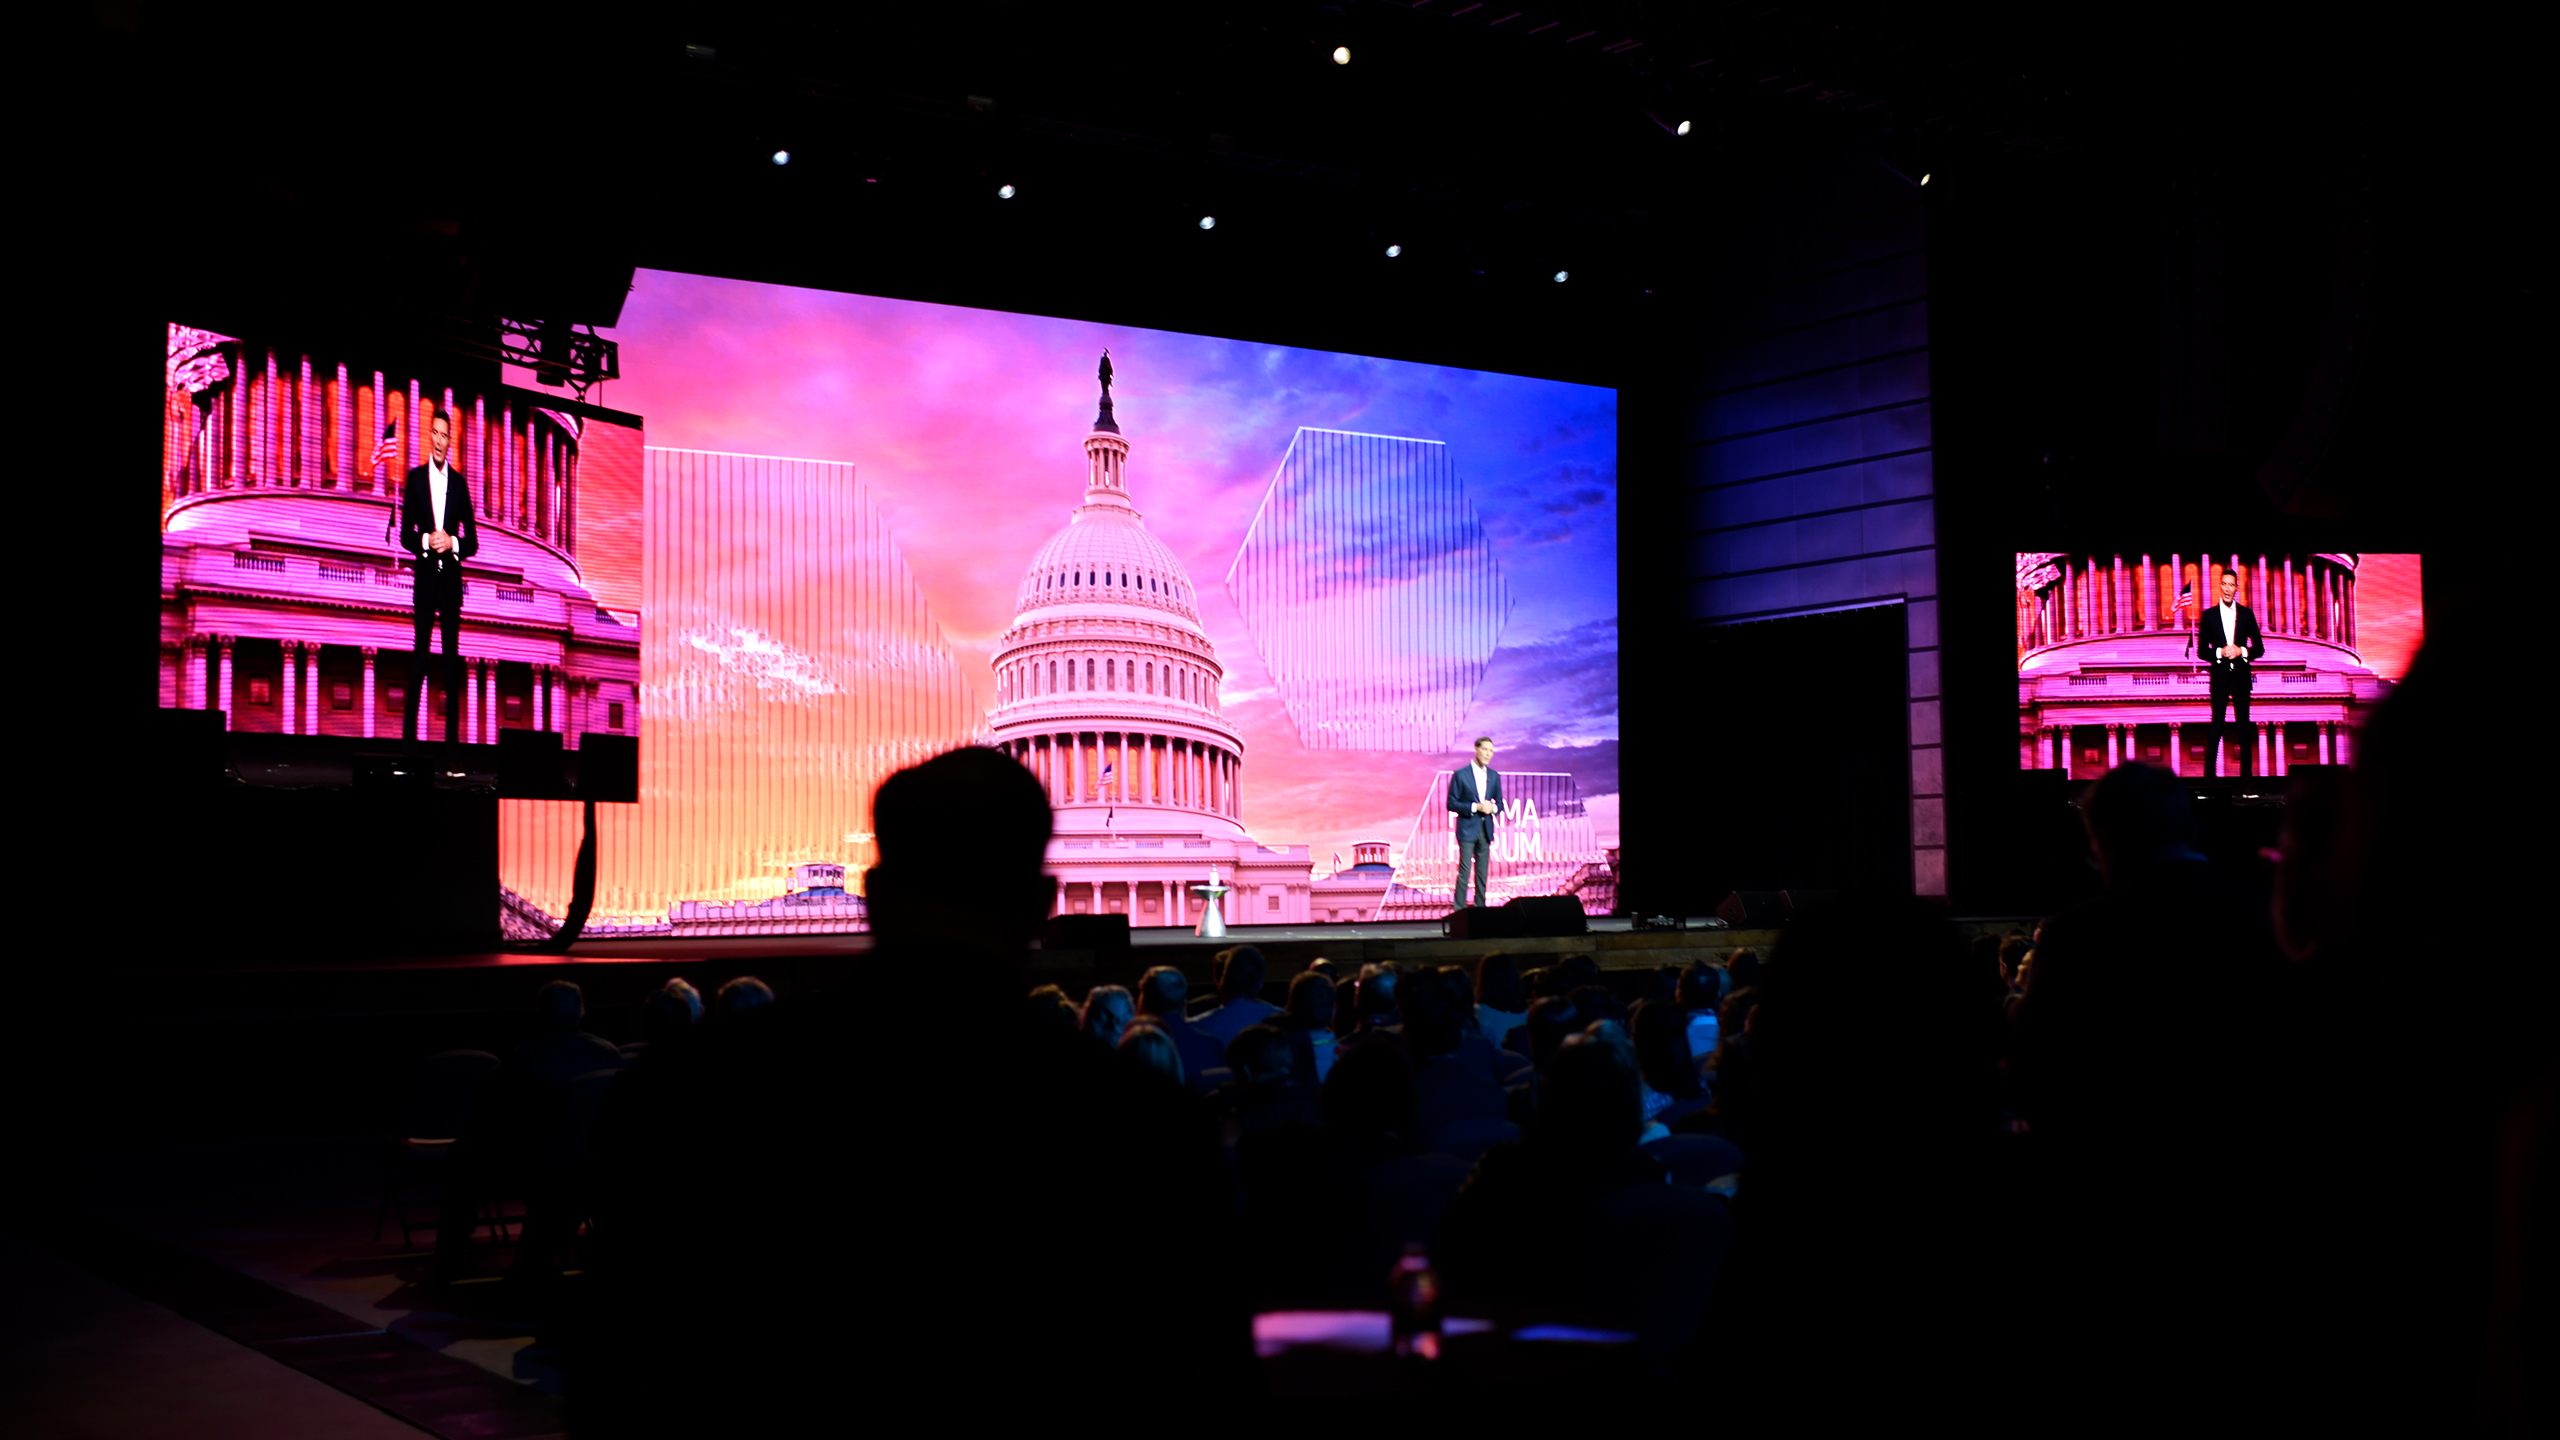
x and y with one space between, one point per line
1107 691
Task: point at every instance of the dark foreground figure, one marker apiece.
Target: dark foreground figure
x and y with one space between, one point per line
908 1196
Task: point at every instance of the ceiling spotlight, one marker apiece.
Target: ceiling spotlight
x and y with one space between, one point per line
1680 129
1924 178
1560 277
1004 192
1394 250
1341 54
781 157
1208 222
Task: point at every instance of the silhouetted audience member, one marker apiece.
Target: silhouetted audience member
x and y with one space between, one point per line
1864 1085
1148 1043
1449 1086
1597 1002
564 1050
2412 1300
1240 1002
1742 968
520 1128
1050 1003
2096 1071
827 1206
743 994
669 1013
1108 1009
1309 1190
1701 988
1373 998
1545 1027
2014 950
1162 993
1578 971
1310 1024
1501 1001
1672 1090
1264 1091
1662 984
1522 1229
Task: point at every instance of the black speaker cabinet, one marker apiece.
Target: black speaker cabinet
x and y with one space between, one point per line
1085 932
1547 915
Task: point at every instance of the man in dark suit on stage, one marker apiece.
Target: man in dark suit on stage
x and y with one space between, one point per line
1475 797
438 530
2227 636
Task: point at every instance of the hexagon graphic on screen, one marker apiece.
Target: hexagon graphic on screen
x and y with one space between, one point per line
1370 591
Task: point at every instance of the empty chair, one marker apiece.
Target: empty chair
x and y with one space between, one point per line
1659 1249
433 1115
1696 1161
1468 1139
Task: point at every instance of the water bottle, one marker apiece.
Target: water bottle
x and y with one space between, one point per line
1413 1304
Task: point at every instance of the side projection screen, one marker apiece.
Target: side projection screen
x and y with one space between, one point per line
290 577
2129 656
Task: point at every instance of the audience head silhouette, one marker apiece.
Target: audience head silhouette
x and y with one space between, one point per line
561 1004
1590 1100
743 994
1107 1011
2138 817
1163 990
1240 973
1311 1000
1146 1042
974 802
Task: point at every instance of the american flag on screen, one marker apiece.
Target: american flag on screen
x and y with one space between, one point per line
388 452
2184 612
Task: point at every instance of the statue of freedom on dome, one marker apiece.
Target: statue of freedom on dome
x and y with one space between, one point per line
1106 372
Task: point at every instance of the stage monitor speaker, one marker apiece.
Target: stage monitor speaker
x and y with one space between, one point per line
609 768
1752 909
1478 922
1085 932
1762 909
1799 903
1547 915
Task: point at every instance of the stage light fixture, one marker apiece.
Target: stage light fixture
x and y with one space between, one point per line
1341 54
1680 129
1208 222
1560 276
781 157
1004 192
1394 250
1924 177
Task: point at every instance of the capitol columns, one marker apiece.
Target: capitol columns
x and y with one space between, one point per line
2262 727
287 715
2177 756
364 691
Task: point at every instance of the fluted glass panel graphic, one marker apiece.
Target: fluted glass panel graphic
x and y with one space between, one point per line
791 665
1370 591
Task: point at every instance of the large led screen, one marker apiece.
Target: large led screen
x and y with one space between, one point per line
1242 608
2129 656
